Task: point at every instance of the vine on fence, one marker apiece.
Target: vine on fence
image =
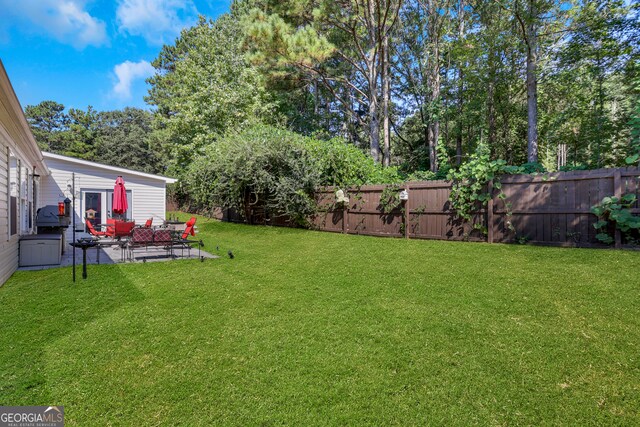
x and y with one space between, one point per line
415 219
615 213
470 188
390 199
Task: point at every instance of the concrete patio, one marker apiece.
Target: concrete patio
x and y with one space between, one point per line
110 253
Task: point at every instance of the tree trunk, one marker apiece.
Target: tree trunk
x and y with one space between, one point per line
433 132
599 138
374 128
532 85
316 99
491 93
372 77
461 5
433 84
385 101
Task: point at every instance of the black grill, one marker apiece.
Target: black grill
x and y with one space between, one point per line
49 222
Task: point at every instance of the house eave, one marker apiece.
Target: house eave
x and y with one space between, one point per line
115 169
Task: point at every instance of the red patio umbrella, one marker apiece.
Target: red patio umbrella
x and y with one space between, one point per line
120 204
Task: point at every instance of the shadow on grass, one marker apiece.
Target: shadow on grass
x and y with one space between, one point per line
37 308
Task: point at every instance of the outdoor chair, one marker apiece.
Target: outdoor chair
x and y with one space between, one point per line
142 237
93 231
183 241
111 227
162 237
190 228
123 228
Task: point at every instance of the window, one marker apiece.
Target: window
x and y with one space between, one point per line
24 200
34 197
13 194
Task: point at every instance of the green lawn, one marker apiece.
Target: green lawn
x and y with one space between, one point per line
315 328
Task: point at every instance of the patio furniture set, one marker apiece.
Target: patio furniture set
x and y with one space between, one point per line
172 237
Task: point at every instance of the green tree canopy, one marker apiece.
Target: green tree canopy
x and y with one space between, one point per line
203 87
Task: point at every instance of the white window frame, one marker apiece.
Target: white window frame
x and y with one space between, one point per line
13 190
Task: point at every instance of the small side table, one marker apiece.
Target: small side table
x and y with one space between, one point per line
84 244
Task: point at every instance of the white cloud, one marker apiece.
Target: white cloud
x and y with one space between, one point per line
158 21
66 20
126 73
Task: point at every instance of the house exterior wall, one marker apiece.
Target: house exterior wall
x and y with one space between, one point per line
16 142
148 194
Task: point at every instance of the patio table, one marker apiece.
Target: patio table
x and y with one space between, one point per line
175 225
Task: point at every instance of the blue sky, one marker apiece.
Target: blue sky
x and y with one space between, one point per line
83 52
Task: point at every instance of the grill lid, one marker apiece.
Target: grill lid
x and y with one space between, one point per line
47 216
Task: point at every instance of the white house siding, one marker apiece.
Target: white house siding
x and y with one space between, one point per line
15 136
8 245
148 194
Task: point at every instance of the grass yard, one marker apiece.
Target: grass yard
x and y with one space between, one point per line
307 328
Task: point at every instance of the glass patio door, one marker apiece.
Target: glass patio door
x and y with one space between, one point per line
92 208
127 214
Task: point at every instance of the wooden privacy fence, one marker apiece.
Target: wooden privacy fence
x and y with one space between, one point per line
551 209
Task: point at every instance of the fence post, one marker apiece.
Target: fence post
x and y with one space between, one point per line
407 211
345 213
490 213
617 190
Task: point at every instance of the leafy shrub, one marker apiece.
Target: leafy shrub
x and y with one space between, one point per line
615 213
532 167
342 164
278 169
261 166
526 168
421 176
577 167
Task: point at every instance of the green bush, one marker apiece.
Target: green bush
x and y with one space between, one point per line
577 167
277 169
343 165
526 169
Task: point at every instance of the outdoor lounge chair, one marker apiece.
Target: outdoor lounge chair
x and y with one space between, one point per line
190 228
93 231
111 227
183 241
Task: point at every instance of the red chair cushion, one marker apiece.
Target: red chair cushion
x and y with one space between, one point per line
190 228
93 231
111 227
162 237
123 228
142 236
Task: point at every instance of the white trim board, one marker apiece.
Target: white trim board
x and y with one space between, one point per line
107 167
